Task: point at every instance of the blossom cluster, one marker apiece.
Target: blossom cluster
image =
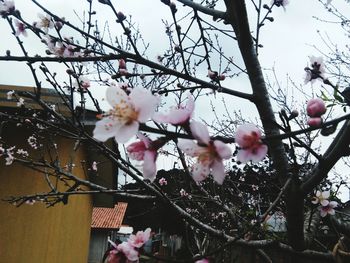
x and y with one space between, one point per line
326 206
9 154
129 249
132 107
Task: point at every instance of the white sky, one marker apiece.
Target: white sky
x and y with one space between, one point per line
287 41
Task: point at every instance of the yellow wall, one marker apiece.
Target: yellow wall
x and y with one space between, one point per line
36 233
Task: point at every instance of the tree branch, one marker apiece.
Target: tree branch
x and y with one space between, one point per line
209 11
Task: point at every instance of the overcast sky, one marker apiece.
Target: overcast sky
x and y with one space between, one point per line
288 41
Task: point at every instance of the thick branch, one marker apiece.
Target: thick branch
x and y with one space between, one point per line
238 18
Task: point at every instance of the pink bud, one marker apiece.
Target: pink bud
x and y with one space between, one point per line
123 72
122 64
222 77
315 107
314 122
212 74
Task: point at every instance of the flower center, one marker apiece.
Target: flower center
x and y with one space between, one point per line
251 141
124 112
208 154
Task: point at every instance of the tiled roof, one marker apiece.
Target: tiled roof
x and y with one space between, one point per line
111 218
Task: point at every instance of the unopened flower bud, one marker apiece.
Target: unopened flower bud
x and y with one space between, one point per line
293 114
121 17
212 74
314 122
315 107
127 31
122 64
173 7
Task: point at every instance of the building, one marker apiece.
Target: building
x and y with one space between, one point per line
106 223
35 233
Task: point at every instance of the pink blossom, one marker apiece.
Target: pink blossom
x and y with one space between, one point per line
9 94
94 166
20 102
204 260
183 192
177 115
122 121
45 23
140 238
163 181
328 209
9 159
209 153
248 137
316 71
143 151
114 257
128 250
7 7
2 150
30 202
314 122
315 107
83 83
20 28
69 50
23 152
32 141
50 42
321 197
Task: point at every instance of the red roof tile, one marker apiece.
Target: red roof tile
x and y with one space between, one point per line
108 217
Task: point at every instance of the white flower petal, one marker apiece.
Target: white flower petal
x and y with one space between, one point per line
200 132
222 149
144 102
189 147
260 153
324 202
326 194
105 129
218 171
115 95
323 213
243 156
149 165
333 204
125 132
199 172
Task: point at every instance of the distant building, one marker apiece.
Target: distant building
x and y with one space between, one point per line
34 233
106 223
